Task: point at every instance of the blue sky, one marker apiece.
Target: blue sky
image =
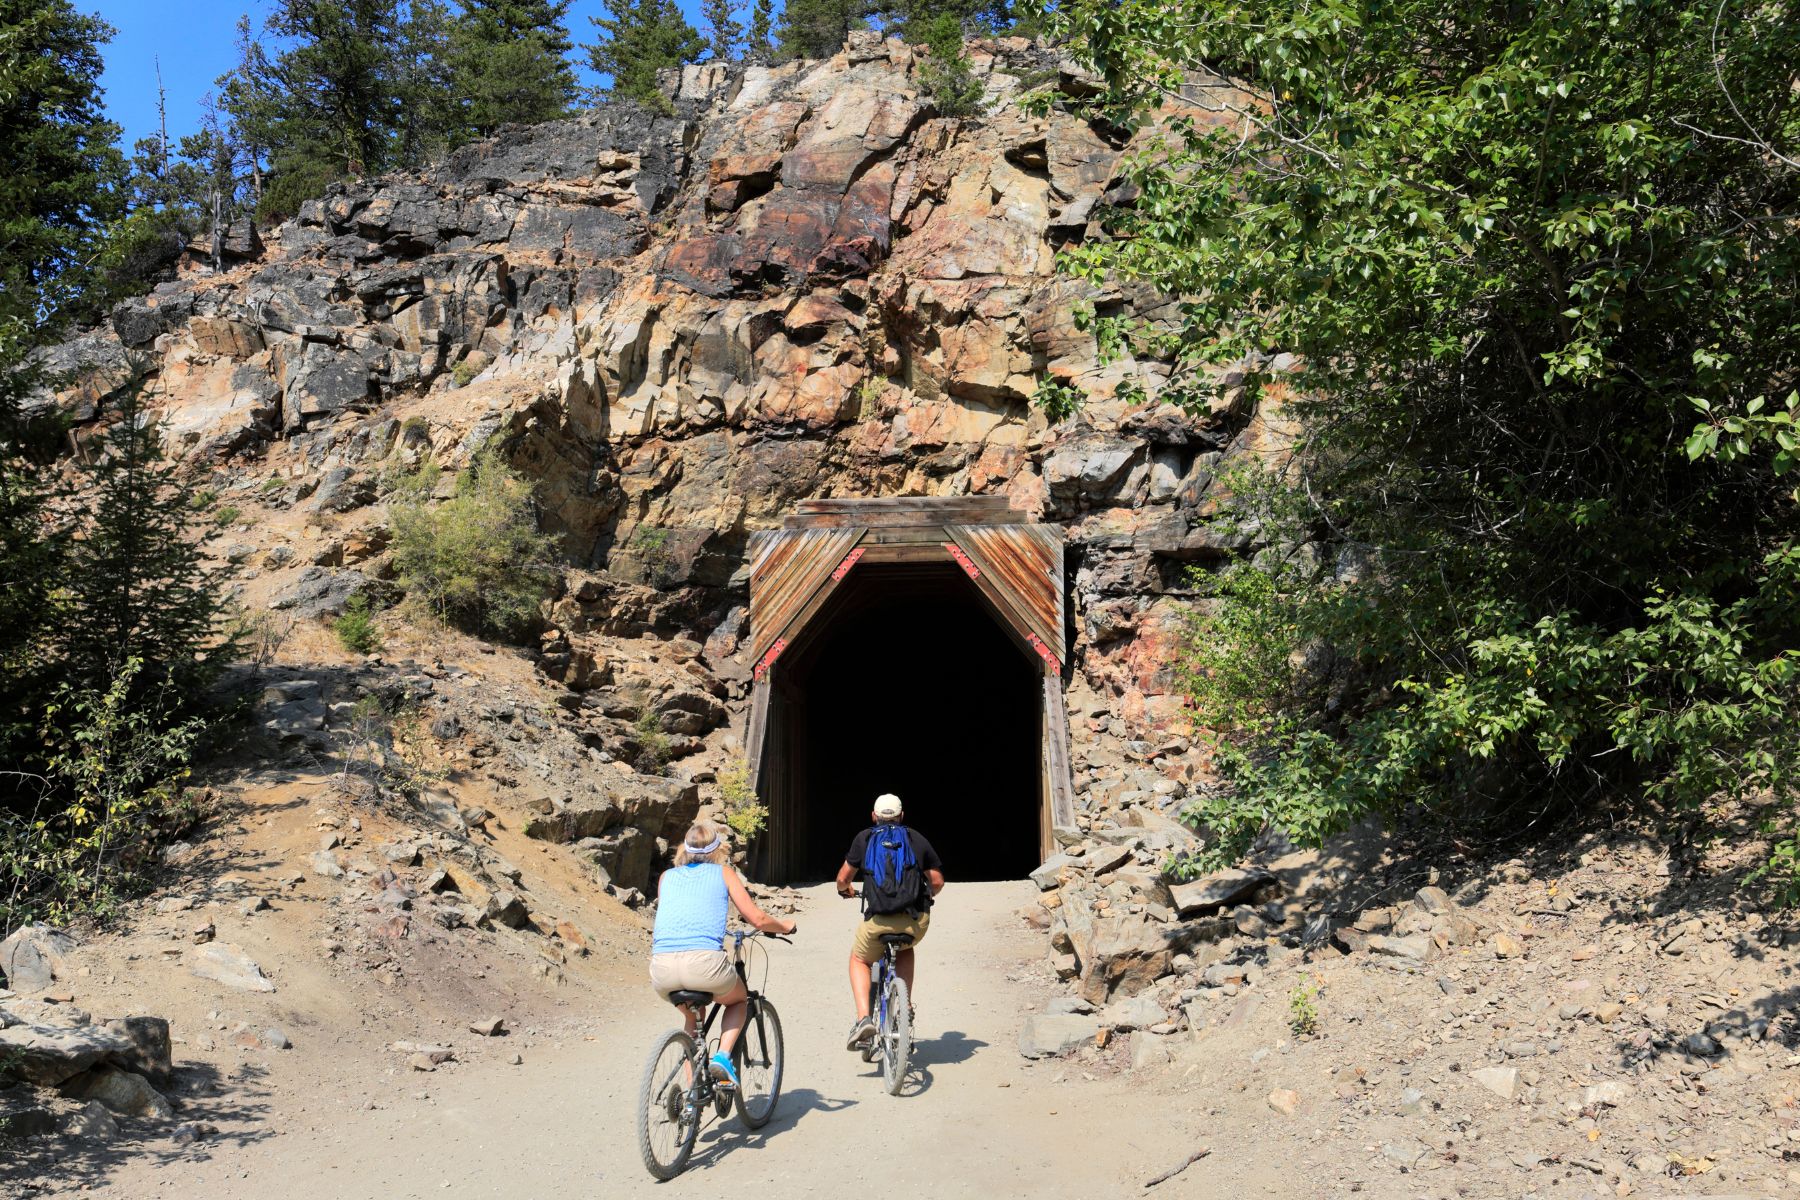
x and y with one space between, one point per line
194 40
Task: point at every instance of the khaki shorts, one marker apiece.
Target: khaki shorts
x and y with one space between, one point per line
707 971
868 935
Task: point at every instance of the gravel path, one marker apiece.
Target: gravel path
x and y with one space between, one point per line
976 1119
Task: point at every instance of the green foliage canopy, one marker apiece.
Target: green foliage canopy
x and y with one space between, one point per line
1519 251
637 39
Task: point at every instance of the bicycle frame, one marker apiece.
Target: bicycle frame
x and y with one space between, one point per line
703 1088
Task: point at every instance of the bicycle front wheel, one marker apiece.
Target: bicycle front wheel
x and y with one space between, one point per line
668 1116
896 1035
758 1053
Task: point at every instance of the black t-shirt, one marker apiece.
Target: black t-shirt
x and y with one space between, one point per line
928 857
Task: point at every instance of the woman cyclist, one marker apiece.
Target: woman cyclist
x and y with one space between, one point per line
687 948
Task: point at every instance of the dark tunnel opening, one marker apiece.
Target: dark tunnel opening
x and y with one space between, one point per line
905 682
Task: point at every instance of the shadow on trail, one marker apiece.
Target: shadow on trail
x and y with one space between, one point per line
945 1050
234 1107
723 1138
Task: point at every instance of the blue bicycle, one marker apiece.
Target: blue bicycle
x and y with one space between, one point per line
892 1009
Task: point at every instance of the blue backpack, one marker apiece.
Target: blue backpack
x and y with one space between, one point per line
892 881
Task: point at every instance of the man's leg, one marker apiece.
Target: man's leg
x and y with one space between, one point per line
906 974
859 986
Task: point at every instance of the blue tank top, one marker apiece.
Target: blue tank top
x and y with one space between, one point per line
691 905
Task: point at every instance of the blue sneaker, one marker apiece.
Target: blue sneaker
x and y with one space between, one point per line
723 1072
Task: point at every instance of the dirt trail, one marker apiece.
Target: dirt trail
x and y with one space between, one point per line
977 1120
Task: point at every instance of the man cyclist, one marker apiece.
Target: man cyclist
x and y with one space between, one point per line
900 873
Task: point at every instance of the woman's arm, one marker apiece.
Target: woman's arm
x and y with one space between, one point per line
740 900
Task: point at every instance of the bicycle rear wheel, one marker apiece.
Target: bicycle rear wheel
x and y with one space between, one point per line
896 1035
668 1118
759 1060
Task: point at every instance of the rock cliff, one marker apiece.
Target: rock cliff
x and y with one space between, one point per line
802 283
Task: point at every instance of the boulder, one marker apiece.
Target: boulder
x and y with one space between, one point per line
1046 1036
124 1092
1134 1012
1050 873
1221 889
224 963
148 1049
93 1122
1125 955
47 1054
320 592
34 957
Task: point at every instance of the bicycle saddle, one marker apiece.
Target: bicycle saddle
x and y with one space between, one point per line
690 999
897 939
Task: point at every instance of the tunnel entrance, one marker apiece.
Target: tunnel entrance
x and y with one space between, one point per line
905 684
908 646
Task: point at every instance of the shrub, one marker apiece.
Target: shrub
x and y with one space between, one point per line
947 74
1303 1011
227 516
462 373
115 767
477 559
1058 400
356 627
653 743
744 812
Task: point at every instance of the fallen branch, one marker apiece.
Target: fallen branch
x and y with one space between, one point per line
1172 1172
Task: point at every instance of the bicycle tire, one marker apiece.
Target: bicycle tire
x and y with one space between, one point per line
662 1072
759 1082
896 1036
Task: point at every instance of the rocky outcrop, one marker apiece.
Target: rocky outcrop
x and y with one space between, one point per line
804 282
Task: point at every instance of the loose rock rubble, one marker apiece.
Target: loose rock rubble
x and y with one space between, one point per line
1582 1022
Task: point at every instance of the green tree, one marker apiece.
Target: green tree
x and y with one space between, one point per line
432 115
759 42
509 63
64 182
947 73
723 33
813 28
639 38
1518 251
332 99
136 584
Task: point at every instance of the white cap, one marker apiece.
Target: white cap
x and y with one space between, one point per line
887 806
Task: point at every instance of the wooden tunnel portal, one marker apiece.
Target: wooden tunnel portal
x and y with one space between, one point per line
915 646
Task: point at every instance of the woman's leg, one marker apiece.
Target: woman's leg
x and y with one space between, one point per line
737 1011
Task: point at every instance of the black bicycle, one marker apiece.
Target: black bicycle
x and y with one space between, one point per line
678 1086
892 1009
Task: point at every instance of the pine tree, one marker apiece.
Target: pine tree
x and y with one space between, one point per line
63 182
509 63
723 33
333 96
640 38
135 584
759 44
430 118
248 100
812 28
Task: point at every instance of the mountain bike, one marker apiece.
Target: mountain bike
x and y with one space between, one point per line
678 1086
892 1009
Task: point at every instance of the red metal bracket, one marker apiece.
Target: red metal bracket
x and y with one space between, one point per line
962 560
768 660
1044 652
849 561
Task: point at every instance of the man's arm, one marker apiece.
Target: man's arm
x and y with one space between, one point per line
845 874
935 878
